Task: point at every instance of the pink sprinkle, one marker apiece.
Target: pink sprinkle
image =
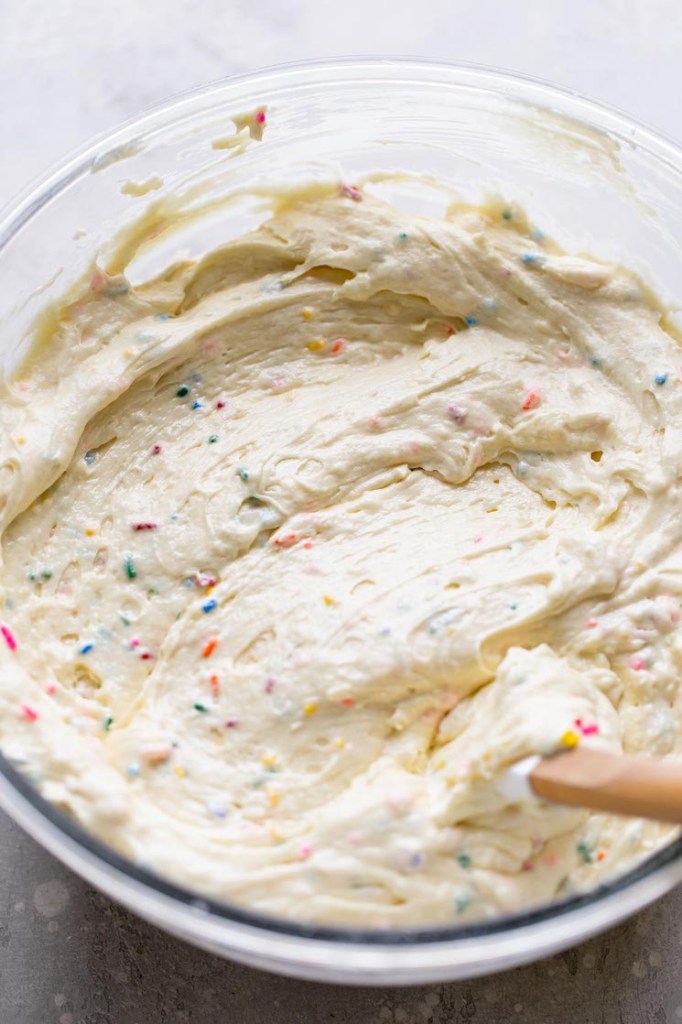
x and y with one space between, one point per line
232 723
532 400
98 281
457 413
145 526
9 637
638 664
586 729
304 851
134 642
592 623
477 540
551 860
308 544
527 865
50 689
351 192
286 540
29 713
156 450
260 117
270 684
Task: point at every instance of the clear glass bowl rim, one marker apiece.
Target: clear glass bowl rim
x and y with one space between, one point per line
65 837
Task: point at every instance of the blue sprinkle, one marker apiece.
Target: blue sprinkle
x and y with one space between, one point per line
596 361
209 605
489 304
513 607
90 457
163 316
661 378
243 473
197 405
531 259
133 770
86 648
403 236
188 581
470 320
538 235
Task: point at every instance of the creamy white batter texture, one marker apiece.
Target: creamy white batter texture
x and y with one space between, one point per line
307 541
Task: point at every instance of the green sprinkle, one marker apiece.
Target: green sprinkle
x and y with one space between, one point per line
506 214
464 860
213 438
403 236
130 567
585 852
108 722
46 574
30 576
198 706
182 391
242 473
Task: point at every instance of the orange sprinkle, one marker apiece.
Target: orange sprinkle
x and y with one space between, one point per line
215 686
348 702
601 855
308 544
532 400
210 647
338 346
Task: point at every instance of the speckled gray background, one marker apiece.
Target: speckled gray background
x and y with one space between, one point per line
70 68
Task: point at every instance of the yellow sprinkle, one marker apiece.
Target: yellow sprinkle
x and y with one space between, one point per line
21 440
307 313
310 709
180 771
316 346
89 532
328 600
340 743
276 834
269 760
209 590
570 739
274 798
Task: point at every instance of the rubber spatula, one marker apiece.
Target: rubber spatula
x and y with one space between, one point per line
641 787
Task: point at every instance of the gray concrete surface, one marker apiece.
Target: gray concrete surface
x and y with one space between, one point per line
70 956
71 68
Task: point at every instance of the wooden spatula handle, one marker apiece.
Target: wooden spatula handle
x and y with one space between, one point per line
637 786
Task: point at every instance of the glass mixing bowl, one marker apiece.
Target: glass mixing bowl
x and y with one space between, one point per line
591 177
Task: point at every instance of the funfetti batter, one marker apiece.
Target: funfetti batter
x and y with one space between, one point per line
307 541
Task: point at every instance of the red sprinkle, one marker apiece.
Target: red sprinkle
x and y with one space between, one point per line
29 713
146 655
220 405
156 450
145 526
210 648
232 723
9 637
532 400
338 346
215 686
